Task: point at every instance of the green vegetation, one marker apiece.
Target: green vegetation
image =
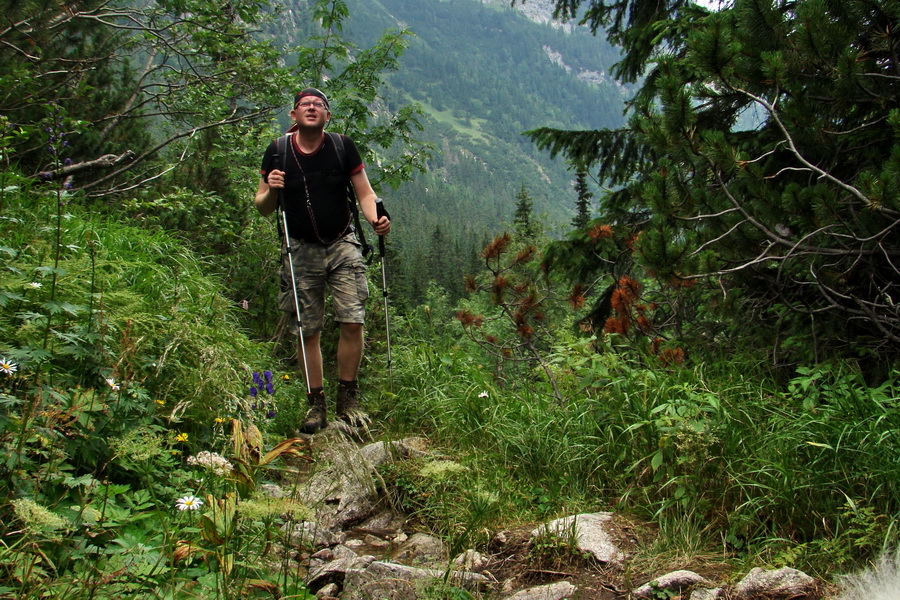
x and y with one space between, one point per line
143 403
727 462
791 224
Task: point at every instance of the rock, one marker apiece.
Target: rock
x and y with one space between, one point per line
471 560
345 491
674 582
334 572
383 580
421 548
375 542
379 453
308 534
777 583
343 551
329 591
707 594
385 524
271 490
590 531
325 554
553 591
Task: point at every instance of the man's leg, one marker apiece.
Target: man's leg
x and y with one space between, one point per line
350 351
313 349
347 278
317 415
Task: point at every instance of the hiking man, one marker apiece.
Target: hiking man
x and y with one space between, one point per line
313 178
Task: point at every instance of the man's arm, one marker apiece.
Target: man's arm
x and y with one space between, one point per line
366 197
267 193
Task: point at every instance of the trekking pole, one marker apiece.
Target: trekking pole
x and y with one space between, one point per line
287 241
382 212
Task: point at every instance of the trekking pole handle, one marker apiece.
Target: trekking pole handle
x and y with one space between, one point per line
276 157
381 211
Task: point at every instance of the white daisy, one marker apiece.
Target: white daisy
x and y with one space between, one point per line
188 503
112 383
8 366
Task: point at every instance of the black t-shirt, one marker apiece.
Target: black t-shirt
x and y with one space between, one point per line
318 178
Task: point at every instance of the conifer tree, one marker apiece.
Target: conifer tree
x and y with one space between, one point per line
523 219
784 229
583 203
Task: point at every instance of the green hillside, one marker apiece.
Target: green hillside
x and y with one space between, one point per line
483 74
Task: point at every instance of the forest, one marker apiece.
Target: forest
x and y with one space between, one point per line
704 338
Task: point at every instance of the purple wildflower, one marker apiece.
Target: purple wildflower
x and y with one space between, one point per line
268 376
270 388
271 414
253 391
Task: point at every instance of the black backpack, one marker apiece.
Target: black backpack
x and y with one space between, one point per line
337 141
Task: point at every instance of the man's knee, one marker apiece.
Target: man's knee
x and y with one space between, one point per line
351 329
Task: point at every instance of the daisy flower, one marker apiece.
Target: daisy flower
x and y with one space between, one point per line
188 503
112 384
8 366
36 285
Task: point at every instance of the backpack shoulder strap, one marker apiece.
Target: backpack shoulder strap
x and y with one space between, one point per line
337 141
282 150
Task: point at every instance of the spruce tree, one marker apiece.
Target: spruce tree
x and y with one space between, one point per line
523 219
583 203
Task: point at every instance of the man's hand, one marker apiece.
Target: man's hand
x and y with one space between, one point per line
382 226
275 179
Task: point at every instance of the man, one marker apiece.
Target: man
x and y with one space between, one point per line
324 247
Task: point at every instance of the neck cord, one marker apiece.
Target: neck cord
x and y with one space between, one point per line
309 209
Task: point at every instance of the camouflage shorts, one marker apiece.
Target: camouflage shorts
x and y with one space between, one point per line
339 267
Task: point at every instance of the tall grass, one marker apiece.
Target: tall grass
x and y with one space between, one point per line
805 474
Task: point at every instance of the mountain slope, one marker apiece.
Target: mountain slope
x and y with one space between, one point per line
484 73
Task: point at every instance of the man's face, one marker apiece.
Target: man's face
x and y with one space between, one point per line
311 111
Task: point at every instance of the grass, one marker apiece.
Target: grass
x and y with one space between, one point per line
129 359
757 473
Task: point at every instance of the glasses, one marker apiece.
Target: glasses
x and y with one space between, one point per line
316 105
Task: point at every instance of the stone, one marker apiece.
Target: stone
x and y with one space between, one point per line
471 560
335 571
271 490
559 590
707 594
591 534
306 534
419 548
345 492
392 581
674 582
776 583
329 591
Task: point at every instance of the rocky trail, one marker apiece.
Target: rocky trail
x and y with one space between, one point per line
356 546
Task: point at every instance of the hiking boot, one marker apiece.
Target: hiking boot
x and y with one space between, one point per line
348 409
316 416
